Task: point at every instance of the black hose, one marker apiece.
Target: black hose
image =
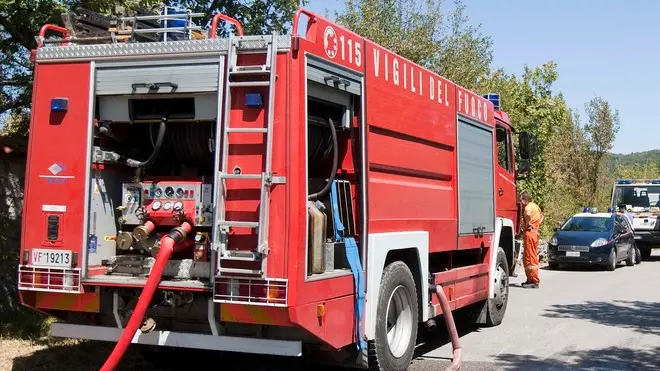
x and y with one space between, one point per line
154 154
335 160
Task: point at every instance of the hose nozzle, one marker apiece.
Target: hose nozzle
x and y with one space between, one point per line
142 232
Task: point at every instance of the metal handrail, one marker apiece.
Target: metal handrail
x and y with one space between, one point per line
51 27
312 18
228 19
188 17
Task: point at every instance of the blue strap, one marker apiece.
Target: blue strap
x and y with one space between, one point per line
353 257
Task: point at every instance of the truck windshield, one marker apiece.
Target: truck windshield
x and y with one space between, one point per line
637 198
588 224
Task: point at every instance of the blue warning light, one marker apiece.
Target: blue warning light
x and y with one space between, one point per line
493 98
59 104
254 100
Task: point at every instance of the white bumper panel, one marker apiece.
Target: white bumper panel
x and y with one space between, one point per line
182 340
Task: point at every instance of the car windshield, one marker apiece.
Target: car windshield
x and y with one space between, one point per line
637 198
588 224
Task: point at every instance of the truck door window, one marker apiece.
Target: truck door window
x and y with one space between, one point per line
503 150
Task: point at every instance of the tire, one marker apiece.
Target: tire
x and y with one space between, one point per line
496 307
611 261
639 255
398 303
632 256
553 266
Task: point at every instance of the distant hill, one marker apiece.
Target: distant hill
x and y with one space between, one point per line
636 157
635 164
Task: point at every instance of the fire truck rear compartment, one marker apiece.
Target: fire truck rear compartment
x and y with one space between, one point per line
153 166
332 129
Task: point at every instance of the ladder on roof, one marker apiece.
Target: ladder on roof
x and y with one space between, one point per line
244 45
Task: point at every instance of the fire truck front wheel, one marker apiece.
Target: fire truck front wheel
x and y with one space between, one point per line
496 307
396 320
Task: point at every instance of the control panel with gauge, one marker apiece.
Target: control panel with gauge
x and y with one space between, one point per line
166 203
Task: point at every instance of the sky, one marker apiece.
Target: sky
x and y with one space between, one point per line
602 48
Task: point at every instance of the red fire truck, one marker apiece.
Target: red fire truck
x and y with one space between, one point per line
272 194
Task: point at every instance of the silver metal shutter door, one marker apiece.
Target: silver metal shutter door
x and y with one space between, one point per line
476 194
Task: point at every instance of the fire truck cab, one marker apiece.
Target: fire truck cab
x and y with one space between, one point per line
273 194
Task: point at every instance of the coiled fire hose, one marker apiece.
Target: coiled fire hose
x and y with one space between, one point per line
451 327
168 241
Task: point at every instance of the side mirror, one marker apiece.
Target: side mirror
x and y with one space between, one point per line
524 145
524 168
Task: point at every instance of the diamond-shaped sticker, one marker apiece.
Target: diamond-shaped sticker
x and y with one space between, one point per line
55 168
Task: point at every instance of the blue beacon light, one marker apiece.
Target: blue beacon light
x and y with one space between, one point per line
254 100
59 104
493 98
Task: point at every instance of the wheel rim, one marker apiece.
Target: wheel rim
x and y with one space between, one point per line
613 259
501 285
633 255
399 321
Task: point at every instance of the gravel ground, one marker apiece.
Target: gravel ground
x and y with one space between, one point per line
26 355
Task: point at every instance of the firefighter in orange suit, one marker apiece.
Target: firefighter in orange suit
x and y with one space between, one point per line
532 219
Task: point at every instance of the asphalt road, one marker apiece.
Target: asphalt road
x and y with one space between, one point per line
583 319
578 319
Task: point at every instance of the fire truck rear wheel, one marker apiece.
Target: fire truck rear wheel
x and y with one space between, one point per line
496 307
396 320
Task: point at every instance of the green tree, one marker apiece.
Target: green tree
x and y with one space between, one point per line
419 31
602 126
20 21
532 107
649 169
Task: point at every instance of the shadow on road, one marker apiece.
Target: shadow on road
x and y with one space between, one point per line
641 316
430 341
612 358
90 355
77 357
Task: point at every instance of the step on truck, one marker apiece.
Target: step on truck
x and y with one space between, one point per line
276 194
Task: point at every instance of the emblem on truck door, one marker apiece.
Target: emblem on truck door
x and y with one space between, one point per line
54 177
56 168
330 42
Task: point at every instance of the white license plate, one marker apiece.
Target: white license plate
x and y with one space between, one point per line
638 237
573 254
51 258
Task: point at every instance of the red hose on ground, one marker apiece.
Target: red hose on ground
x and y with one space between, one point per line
166 249
451 327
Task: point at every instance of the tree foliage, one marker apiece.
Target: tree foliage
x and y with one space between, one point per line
601 130
532 107
419 31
